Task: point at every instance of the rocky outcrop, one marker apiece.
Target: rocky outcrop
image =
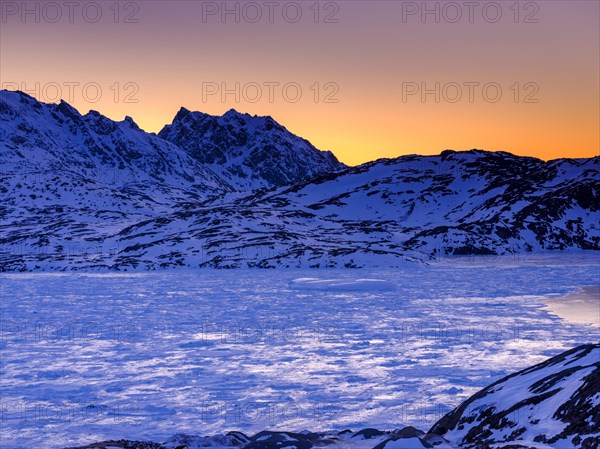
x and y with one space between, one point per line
556 403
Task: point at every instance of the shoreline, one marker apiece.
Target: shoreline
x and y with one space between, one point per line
580 307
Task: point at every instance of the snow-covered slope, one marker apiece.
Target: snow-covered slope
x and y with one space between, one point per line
250 152
84 192
386 213
68 180
555 404
40 140
473 202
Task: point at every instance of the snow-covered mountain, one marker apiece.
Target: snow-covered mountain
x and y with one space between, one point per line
40 140
84 192
473 202
552 405
386 213
68 179
250 152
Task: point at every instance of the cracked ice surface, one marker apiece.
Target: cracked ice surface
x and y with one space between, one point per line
88 357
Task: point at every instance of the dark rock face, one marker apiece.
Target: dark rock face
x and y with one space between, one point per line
276 440
262 440
399 443
408 432
411 437
368 433
238 438
124 444
556 403
249 152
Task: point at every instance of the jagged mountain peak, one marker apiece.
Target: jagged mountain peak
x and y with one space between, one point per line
129 121
247 151
68 111
116 157
250 152
184 115
233 113
191 118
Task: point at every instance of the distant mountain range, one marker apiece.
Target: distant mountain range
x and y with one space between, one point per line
85 192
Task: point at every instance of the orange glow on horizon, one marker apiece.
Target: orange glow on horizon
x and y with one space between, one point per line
355 75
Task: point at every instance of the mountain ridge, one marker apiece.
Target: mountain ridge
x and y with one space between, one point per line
124 199
249 151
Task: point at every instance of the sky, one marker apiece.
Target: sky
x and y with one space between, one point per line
364 79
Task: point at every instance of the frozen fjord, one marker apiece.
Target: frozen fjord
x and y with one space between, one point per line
87 357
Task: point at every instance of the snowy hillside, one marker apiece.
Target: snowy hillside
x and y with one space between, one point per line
387 213
84 192
473 202
72 180
554 404
39 141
